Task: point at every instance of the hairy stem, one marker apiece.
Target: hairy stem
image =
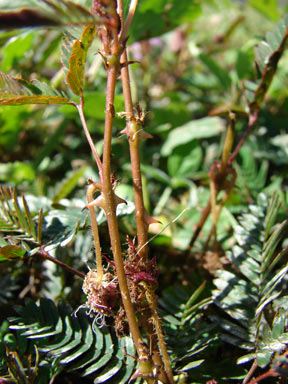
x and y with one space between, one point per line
133 132
152 300
90 192
154 348
110 204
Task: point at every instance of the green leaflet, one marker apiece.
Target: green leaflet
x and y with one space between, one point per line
268 7
17 220
195 129
74 55
69 184
11 252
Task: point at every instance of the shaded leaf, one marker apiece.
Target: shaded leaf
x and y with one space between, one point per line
43 13
73 343
245 303
155 17
69 184
11 252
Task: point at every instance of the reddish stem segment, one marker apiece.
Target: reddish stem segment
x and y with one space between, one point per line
46 256
108 195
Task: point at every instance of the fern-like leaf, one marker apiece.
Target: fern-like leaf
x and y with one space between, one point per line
18 92
246 296
31 222
19 223
186 331
72 343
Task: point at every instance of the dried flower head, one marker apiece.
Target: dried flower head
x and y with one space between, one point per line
139 270
103 296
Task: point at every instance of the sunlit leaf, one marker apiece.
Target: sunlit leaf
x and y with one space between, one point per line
268 7
195 129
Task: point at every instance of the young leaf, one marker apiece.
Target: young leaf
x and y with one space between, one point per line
74 57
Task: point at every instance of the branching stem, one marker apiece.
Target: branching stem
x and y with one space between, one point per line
128 21
133 129
108 195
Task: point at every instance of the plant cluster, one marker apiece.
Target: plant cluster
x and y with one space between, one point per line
159 255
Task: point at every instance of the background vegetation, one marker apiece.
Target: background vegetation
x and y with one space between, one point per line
223 302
